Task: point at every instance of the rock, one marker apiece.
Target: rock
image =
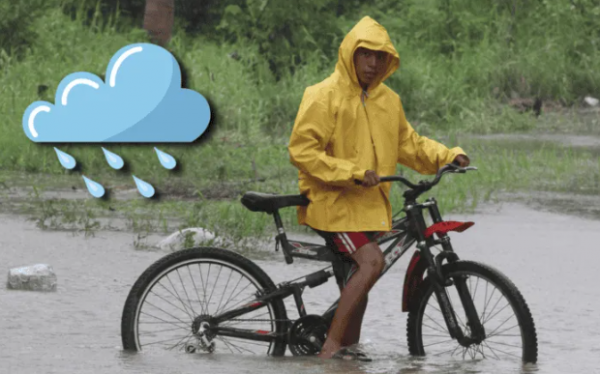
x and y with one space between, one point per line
39 277
591 101
177 240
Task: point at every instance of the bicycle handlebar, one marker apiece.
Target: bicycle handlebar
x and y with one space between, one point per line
423 185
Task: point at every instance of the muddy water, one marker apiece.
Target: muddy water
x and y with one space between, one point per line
552 259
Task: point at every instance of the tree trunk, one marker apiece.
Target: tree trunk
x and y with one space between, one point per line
158 20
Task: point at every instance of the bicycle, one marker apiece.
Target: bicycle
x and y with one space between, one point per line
254 319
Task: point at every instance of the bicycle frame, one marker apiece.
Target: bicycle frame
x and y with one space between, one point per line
404 233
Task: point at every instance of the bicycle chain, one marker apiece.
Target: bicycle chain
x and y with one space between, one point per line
261 320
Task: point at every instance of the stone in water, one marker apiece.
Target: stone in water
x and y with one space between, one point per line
39 277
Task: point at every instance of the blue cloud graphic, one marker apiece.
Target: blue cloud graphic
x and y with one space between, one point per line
141 101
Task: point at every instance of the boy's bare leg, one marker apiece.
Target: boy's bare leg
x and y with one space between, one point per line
352 334
370 262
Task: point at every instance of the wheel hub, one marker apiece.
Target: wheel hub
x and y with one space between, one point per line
202 330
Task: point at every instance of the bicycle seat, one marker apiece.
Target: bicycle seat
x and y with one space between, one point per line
264 202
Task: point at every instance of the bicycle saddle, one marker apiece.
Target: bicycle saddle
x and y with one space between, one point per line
264 202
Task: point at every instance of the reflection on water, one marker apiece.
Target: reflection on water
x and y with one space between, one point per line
550 257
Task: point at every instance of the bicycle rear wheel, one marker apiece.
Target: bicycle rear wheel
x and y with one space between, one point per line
182 292
503 312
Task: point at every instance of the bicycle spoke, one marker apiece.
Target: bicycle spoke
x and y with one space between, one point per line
434 328
501 351
240 302
442 327
450 350
482 317
492 310
196 289
443 341
227 345
179 297
231 294
207 276
508 345
476 284
179 342
167 301
225 290
217 281
236 346
176 297
203 288
502 324
149 303
166 330
498 312
166 340
491 350
160 319
186 293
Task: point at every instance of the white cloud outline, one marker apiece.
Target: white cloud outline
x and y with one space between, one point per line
120 60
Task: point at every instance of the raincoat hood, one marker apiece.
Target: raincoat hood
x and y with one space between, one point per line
367 33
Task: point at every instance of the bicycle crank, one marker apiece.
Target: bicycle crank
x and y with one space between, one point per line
307 335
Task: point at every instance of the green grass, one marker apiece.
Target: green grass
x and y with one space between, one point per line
502 169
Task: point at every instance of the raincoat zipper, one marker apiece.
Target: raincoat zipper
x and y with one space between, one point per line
362 97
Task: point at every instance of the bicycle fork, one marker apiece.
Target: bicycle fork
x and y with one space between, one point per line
440 283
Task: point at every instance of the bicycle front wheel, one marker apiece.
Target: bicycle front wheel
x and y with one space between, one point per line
175 303
503 312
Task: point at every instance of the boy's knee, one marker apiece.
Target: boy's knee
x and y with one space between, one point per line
371 259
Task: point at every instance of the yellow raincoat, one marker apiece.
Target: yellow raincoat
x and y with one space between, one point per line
336 138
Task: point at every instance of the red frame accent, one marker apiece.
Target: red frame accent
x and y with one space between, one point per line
412 280
446 226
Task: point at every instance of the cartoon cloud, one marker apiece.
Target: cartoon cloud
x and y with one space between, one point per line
141 101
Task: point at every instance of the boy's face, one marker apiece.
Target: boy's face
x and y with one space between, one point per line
369 65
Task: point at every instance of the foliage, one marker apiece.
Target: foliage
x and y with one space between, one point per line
16 33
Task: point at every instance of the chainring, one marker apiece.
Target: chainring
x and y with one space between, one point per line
307 335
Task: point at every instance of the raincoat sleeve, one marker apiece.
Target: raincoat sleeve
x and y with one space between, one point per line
420 153
312 131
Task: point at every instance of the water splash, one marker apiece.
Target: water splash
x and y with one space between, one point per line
95 188
115 161
165 159
66 160
145 188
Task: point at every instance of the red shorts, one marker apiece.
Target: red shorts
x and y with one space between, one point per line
347 242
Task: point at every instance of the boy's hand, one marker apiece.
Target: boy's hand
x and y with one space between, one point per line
462 161
371 179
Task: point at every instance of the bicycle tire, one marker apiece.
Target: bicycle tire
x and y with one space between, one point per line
493 276
137 293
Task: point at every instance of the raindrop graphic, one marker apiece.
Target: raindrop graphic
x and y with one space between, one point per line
165 159
115 161
66 160
95 188
145 188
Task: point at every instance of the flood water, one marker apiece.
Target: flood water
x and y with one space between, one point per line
552 258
